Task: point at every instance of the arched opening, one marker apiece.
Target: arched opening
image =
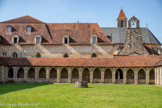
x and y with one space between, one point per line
31 73
94 55
119 76
97 76
141 77
10 73
130 76
53 73
64 75
66 55
108 76
42 73
122 23
75 75
14 55
86 75
20 73
152 77
38 55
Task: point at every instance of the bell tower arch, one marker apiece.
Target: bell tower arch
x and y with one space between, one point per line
122 19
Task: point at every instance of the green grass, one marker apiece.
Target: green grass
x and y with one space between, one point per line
67 96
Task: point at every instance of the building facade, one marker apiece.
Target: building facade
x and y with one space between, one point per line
33 51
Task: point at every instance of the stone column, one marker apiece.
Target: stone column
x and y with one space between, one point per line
155 75
102 75
26 73
136 75
80 73
58 74
3 74
36 74
69 74
91 75
48 73
15 69
113 75
124 76
147 76
160 76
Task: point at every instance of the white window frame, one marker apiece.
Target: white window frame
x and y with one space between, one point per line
13 37
40 37
28 29
9 29
65 37
94 36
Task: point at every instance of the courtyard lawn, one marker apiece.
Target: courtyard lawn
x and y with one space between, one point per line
67 96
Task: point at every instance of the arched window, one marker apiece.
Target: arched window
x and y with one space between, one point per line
14 55
15 39
20 73
94 55
38 39
28 29
38 55
122 23
65 39
9 29
66 55
94 39
10 73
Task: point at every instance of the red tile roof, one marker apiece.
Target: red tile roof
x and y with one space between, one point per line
52 33
116 61
24 19
122 15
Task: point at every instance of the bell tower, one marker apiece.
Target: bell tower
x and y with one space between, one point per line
122 19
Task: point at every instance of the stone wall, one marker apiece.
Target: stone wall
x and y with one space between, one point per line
57 51
158 76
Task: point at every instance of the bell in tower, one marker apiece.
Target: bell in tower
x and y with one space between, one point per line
122 19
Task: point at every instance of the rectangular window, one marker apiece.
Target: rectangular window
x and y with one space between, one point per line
94 40
15 40
4 54
65 41
37 40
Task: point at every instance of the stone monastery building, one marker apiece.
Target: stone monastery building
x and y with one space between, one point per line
32 51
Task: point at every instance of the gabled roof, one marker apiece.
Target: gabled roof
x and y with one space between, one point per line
24 19
159 63
122 15
119 34
52 33
116 61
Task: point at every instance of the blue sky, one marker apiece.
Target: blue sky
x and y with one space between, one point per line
103 12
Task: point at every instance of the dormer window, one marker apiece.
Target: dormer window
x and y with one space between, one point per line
15 39
94 39
28 29
65 39
9 29
38 39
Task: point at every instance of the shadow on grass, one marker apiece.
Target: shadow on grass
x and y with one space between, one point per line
7 88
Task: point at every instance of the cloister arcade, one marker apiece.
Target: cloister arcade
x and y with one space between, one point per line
72 74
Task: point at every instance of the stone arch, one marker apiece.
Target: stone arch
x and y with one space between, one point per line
31 73
97 75
152 76
42 73
86 75
108 76
20 73
141 76
135 21
119 76
10 73
64 75
94 55
130 76
53 73
75 75
65 55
